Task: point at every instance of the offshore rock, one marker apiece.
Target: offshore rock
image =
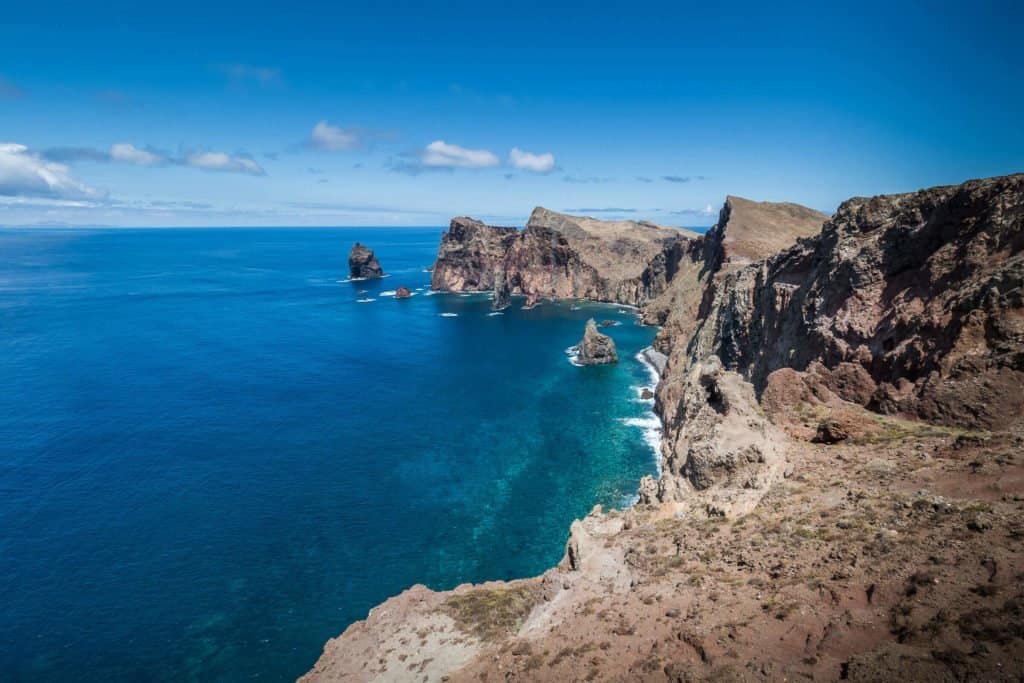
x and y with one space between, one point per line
362 263
596 348
502 296
402 293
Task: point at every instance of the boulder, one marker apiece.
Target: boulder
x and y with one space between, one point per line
402 293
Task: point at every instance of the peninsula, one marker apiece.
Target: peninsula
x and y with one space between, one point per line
842 469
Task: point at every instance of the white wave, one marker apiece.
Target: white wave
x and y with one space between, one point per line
573 354
492 313
364 301
389 292
430 293
362 291
449 315
652 371
630 501
574 308
651 427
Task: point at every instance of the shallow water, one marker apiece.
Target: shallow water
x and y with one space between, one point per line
215 453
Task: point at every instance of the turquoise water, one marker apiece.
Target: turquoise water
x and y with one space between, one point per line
213 457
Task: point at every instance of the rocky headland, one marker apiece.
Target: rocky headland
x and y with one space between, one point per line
557 256
362 264
842 483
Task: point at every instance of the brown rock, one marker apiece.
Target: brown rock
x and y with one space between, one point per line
402 293
559 256
919 294
596 348
362 263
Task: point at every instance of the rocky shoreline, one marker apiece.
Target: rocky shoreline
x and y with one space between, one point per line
838 397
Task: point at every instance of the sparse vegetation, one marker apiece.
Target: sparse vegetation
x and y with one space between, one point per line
491 613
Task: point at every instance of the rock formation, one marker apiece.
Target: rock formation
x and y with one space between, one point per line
907 304
596 348
841 491
502 296
362 263
402 293
559 256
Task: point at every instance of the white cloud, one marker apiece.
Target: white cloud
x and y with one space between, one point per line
440 154
332 138
220 161
708 210
130 154
25 174
534 163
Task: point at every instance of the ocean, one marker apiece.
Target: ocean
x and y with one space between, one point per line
216 453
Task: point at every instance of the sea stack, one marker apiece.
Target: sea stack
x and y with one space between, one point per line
502 296
596 348
362 263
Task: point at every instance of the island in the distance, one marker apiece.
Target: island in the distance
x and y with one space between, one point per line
841 487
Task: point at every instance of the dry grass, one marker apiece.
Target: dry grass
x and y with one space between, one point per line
492 613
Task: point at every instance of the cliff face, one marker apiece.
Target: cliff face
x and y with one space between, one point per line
746 232
559 256
905 303
470 256
889 333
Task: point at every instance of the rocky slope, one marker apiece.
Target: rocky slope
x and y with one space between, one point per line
842 488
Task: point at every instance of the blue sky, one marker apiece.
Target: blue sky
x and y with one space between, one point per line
406 114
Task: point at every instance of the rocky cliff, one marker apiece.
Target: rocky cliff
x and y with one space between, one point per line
907 304
842 482
558 256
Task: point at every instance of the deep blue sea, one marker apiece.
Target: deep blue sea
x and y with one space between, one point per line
214 457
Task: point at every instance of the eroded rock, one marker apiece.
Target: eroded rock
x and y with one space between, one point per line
596 348
362 263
